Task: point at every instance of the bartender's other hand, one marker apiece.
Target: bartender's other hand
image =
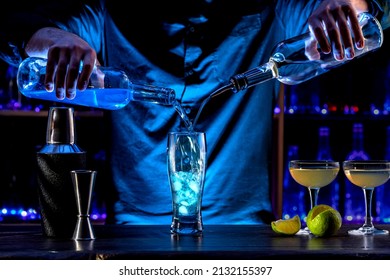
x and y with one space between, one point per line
64 52
334 22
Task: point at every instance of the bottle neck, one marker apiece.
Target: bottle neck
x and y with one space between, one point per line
323 145
358 144
255 76
357 140
153 94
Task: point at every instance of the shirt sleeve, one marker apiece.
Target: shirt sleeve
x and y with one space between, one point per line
87 22
293 15
376 8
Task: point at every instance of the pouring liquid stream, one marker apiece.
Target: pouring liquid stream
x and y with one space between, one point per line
191 125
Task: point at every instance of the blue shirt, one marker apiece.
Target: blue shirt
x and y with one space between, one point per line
193 47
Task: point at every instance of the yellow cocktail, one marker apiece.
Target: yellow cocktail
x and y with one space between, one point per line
315 177
313 174
367 174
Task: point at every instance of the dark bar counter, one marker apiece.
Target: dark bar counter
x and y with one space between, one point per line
218 242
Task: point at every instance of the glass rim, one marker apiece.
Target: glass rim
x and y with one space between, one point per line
367 161
83 171
323 164
186 132
314 161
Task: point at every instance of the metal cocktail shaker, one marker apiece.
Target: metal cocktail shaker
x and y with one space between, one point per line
55 160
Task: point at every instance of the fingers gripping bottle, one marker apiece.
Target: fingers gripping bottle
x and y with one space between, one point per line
109 88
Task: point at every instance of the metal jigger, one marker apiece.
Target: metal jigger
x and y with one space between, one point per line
83 182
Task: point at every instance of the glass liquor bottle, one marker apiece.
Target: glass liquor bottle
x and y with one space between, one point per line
354 207
109 88
291 63
293 194
331 194
293 101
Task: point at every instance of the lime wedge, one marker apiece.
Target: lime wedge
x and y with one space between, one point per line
288 226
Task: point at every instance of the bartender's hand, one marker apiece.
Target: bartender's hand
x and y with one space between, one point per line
333 23
64 52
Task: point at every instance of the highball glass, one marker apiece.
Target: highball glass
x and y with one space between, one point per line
186 158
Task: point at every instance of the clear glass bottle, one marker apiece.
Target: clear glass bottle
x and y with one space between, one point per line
291 64
109 88
323 152
354 207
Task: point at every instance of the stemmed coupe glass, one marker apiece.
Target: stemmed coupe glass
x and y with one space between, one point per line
313 174
367 174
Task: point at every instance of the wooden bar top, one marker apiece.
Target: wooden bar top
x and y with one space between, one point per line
121 242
